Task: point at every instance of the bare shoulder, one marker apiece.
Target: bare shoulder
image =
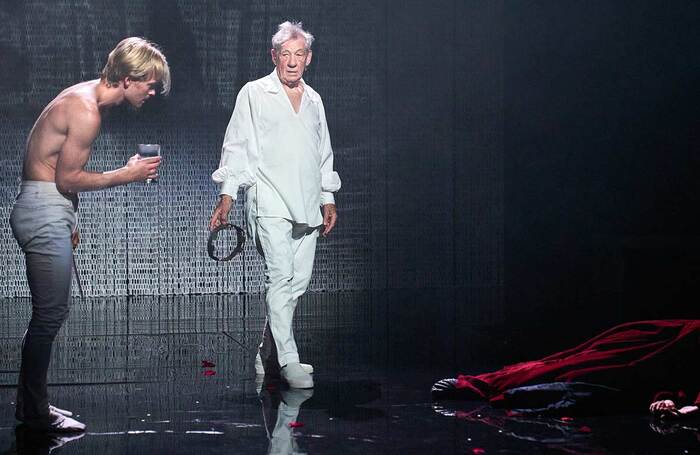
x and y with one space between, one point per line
74 105
71 121
80 109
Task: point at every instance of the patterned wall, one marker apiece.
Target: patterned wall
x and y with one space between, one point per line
413 98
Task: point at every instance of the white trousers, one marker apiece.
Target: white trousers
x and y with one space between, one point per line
288 250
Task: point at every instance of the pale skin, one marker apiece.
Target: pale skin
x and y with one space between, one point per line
290 62
60 143
667 408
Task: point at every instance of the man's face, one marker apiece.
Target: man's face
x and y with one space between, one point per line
137 92
291 60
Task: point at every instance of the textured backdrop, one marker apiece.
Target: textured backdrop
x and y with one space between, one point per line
413 93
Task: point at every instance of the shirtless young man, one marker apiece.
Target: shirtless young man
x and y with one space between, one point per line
43 218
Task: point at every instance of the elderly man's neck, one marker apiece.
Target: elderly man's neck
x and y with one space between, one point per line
297 86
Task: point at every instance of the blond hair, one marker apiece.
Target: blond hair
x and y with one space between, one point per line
137 59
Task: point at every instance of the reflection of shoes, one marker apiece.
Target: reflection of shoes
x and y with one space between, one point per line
295 397
275 368
58 424
61 440
296 377
444 389
31 441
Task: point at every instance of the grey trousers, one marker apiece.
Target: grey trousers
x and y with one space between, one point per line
42 221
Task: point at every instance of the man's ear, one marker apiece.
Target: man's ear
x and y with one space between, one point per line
308 57
126 81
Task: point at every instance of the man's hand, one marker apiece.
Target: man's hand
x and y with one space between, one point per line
142 169
75 239
667 408
663 408
330 217
220 215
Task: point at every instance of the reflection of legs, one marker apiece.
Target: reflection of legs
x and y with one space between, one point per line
282 440
49 275
39 442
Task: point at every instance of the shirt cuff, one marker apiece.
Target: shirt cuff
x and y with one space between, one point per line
230 188
327 198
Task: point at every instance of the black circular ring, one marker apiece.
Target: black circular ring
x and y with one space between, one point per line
240 239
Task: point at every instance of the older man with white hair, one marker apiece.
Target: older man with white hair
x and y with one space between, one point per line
278 149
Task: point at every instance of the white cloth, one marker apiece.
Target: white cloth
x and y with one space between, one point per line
286 155
289 250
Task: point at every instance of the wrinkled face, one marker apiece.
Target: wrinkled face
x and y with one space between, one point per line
137 92
291 60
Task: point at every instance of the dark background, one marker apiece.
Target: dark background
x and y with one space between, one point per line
536 159
601 160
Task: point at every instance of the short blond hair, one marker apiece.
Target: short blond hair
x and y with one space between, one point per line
137 59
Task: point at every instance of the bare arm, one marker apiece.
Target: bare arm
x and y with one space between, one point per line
71 177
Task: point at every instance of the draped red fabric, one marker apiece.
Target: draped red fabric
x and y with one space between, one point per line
641 358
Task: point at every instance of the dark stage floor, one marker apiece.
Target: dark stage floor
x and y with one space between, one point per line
133 371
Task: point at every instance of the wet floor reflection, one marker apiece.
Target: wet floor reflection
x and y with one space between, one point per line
280 411
491 430
175 376
30 442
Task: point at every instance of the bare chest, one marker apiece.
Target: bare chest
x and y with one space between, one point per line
295 97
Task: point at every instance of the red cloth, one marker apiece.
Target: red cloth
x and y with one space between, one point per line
638 357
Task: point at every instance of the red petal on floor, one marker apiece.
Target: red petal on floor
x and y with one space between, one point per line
207 364
566 419
295 424
478 451
209 372
585 429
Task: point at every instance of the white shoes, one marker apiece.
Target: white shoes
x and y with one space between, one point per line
59 423
296 376
260 367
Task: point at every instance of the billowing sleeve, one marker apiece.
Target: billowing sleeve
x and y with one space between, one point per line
330 180
239 153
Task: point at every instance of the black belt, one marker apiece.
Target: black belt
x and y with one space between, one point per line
240 239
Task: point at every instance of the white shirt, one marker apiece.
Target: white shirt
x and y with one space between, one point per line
286 155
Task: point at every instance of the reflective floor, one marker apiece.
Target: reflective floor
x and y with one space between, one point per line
174 375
